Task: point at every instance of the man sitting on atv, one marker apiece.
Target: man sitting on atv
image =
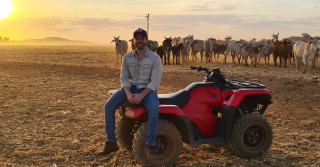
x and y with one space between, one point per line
140 77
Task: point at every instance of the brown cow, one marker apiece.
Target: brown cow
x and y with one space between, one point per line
278 50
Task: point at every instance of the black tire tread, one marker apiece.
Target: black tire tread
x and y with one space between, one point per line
236 141
139 143
124 132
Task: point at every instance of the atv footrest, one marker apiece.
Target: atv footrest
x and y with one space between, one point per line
211 140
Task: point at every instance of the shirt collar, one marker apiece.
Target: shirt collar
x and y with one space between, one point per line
145 54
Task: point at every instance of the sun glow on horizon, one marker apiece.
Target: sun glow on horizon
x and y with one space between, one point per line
6 8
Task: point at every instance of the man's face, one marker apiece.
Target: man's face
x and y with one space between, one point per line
140 41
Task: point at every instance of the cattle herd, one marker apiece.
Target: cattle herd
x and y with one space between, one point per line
304 51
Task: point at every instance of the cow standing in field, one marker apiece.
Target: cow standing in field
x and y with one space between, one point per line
276 47
160 52
121 47
208 48
186 42
288 46
235 48
197 46
305 52
167 47
279 50
220 48
265 48
252 51
176 52
152 45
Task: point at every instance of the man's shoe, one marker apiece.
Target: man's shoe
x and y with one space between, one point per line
109 147
149 150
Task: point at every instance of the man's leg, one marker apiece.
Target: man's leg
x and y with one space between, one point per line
151 103
114 102
110 107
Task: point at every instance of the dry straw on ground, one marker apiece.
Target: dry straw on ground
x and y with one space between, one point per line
51 109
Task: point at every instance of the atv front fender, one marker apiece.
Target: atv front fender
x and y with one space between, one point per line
240 94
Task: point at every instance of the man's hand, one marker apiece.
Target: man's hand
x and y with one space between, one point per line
137 98
130 97
129 94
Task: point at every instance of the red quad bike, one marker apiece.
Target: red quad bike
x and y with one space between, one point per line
214 111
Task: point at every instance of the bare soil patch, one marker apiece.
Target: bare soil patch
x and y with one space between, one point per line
51 109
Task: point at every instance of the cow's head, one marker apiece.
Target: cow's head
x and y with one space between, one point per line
116 40
228 39
167 42
188 40
275 37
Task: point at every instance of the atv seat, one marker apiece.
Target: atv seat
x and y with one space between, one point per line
179 98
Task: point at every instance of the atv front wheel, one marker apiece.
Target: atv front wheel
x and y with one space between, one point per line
125 132
168 147
251 136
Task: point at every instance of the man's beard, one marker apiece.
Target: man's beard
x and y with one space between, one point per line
140 46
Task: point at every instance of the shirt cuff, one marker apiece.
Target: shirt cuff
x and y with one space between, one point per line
125 84
152 87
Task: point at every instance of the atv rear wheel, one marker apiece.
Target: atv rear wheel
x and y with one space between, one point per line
251 136
125 132
168 147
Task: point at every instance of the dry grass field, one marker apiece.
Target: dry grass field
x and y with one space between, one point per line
52 98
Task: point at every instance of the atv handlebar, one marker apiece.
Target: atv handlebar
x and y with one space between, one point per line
214 75
200 69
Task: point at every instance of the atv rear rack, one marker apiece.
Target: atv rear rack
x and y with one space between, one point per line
246 84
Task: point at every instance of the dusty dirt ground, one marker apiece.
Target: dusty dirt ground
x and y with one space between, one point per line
51 109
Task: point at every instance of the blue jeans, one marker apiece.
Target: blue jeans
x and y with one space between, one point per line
150 102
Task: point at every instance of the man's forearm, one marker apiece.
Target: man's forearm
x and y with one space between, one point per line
127 90
146 91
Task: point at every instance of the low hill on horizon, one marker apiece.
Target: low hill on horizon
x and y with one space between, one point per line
55 41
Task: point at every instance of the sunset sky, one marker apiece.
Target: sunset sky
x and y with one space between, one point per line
100 20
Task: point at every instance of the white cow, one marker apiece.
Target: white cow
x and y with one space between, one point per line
265 47
305 52
186 42
235 48
121 47
197 46
208 48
